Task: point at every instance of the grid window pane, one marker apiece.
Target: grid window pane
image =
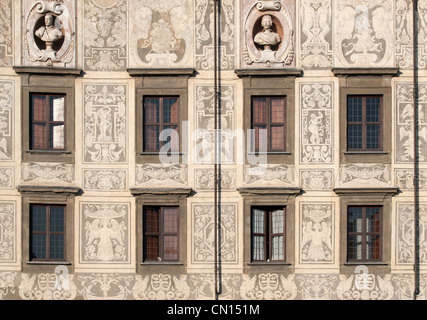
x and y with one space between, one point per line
38 219
354 247
373 220
152 222
277 249
38 108
57 109
151 110
354 136
373 247
277 137
57 219
259 110
277 110
170 220
170 110
258 221
373 109
151 248
258 253
38 246
170 247
57 246
57 136
39 136
373 136
152 142
354 109
355 216
277 223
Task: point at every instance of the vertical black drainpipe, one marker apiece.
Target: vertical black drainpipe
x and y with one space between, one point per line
416 152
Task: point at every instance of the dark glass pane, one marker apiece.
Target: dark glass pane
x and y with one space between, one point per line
373 220
57 221
355 216
259 138
38 108
151 138
38 246
373 109
170 247
372 136
172 136
354 137
57 246
151 110
277 138
259 110
38 135
354 109
170 110
170 220
277 110
373 247
38 219
354 247
151 247
151 220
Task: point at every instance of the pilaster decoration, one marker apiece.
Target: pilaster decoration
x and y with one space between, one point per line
268 34
49 33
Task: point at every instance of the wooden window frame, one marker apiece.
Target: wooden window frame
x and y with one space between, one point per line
268 234
47 231
269 123
48 122
161 234
160 124
365 233
364 123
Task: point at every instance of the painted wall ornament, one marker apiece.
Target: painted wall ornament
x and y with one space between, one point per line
49 34
268 35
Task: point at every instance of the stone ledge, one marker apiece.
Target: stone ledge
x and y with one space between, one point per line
48 189
161 72
248 191
161 191
365 71
265 72
366 191
47 71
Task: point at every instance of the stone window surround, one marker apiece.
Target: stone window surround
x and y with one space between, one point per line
48 81
271 82
366 197
159 82
163 197
369 81
48 196
269 197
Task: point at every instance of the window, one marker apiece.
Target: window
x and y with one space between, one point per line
47 122
269 124
160 113
268 234
364 233
47 239
161 234
364 123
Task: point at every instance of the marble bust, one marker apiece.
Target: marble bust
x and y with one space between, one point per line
49 33
267 37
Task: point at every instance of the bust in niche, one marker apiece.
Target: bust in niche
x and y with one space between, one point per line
267 37
49 33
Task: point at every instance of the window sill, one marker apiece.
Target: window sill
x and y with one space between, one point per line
367 263
48 151
154 263
366 152
269 152
269 264
66 263
159 153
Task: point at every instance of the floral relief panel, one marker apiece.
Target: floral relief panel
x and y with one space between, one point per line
405 178
6 33
7 102
316 179
105 180
105 235
364 33
269 175
316 34
47 173
405 233
105 123
317 233
161 35
7 180
404 126
161 175
365 175
203 233
404 34
105 36
316 123
8 232
204 34
204 179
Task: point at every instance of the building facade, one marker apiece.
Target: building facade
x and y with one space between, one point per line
303 110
